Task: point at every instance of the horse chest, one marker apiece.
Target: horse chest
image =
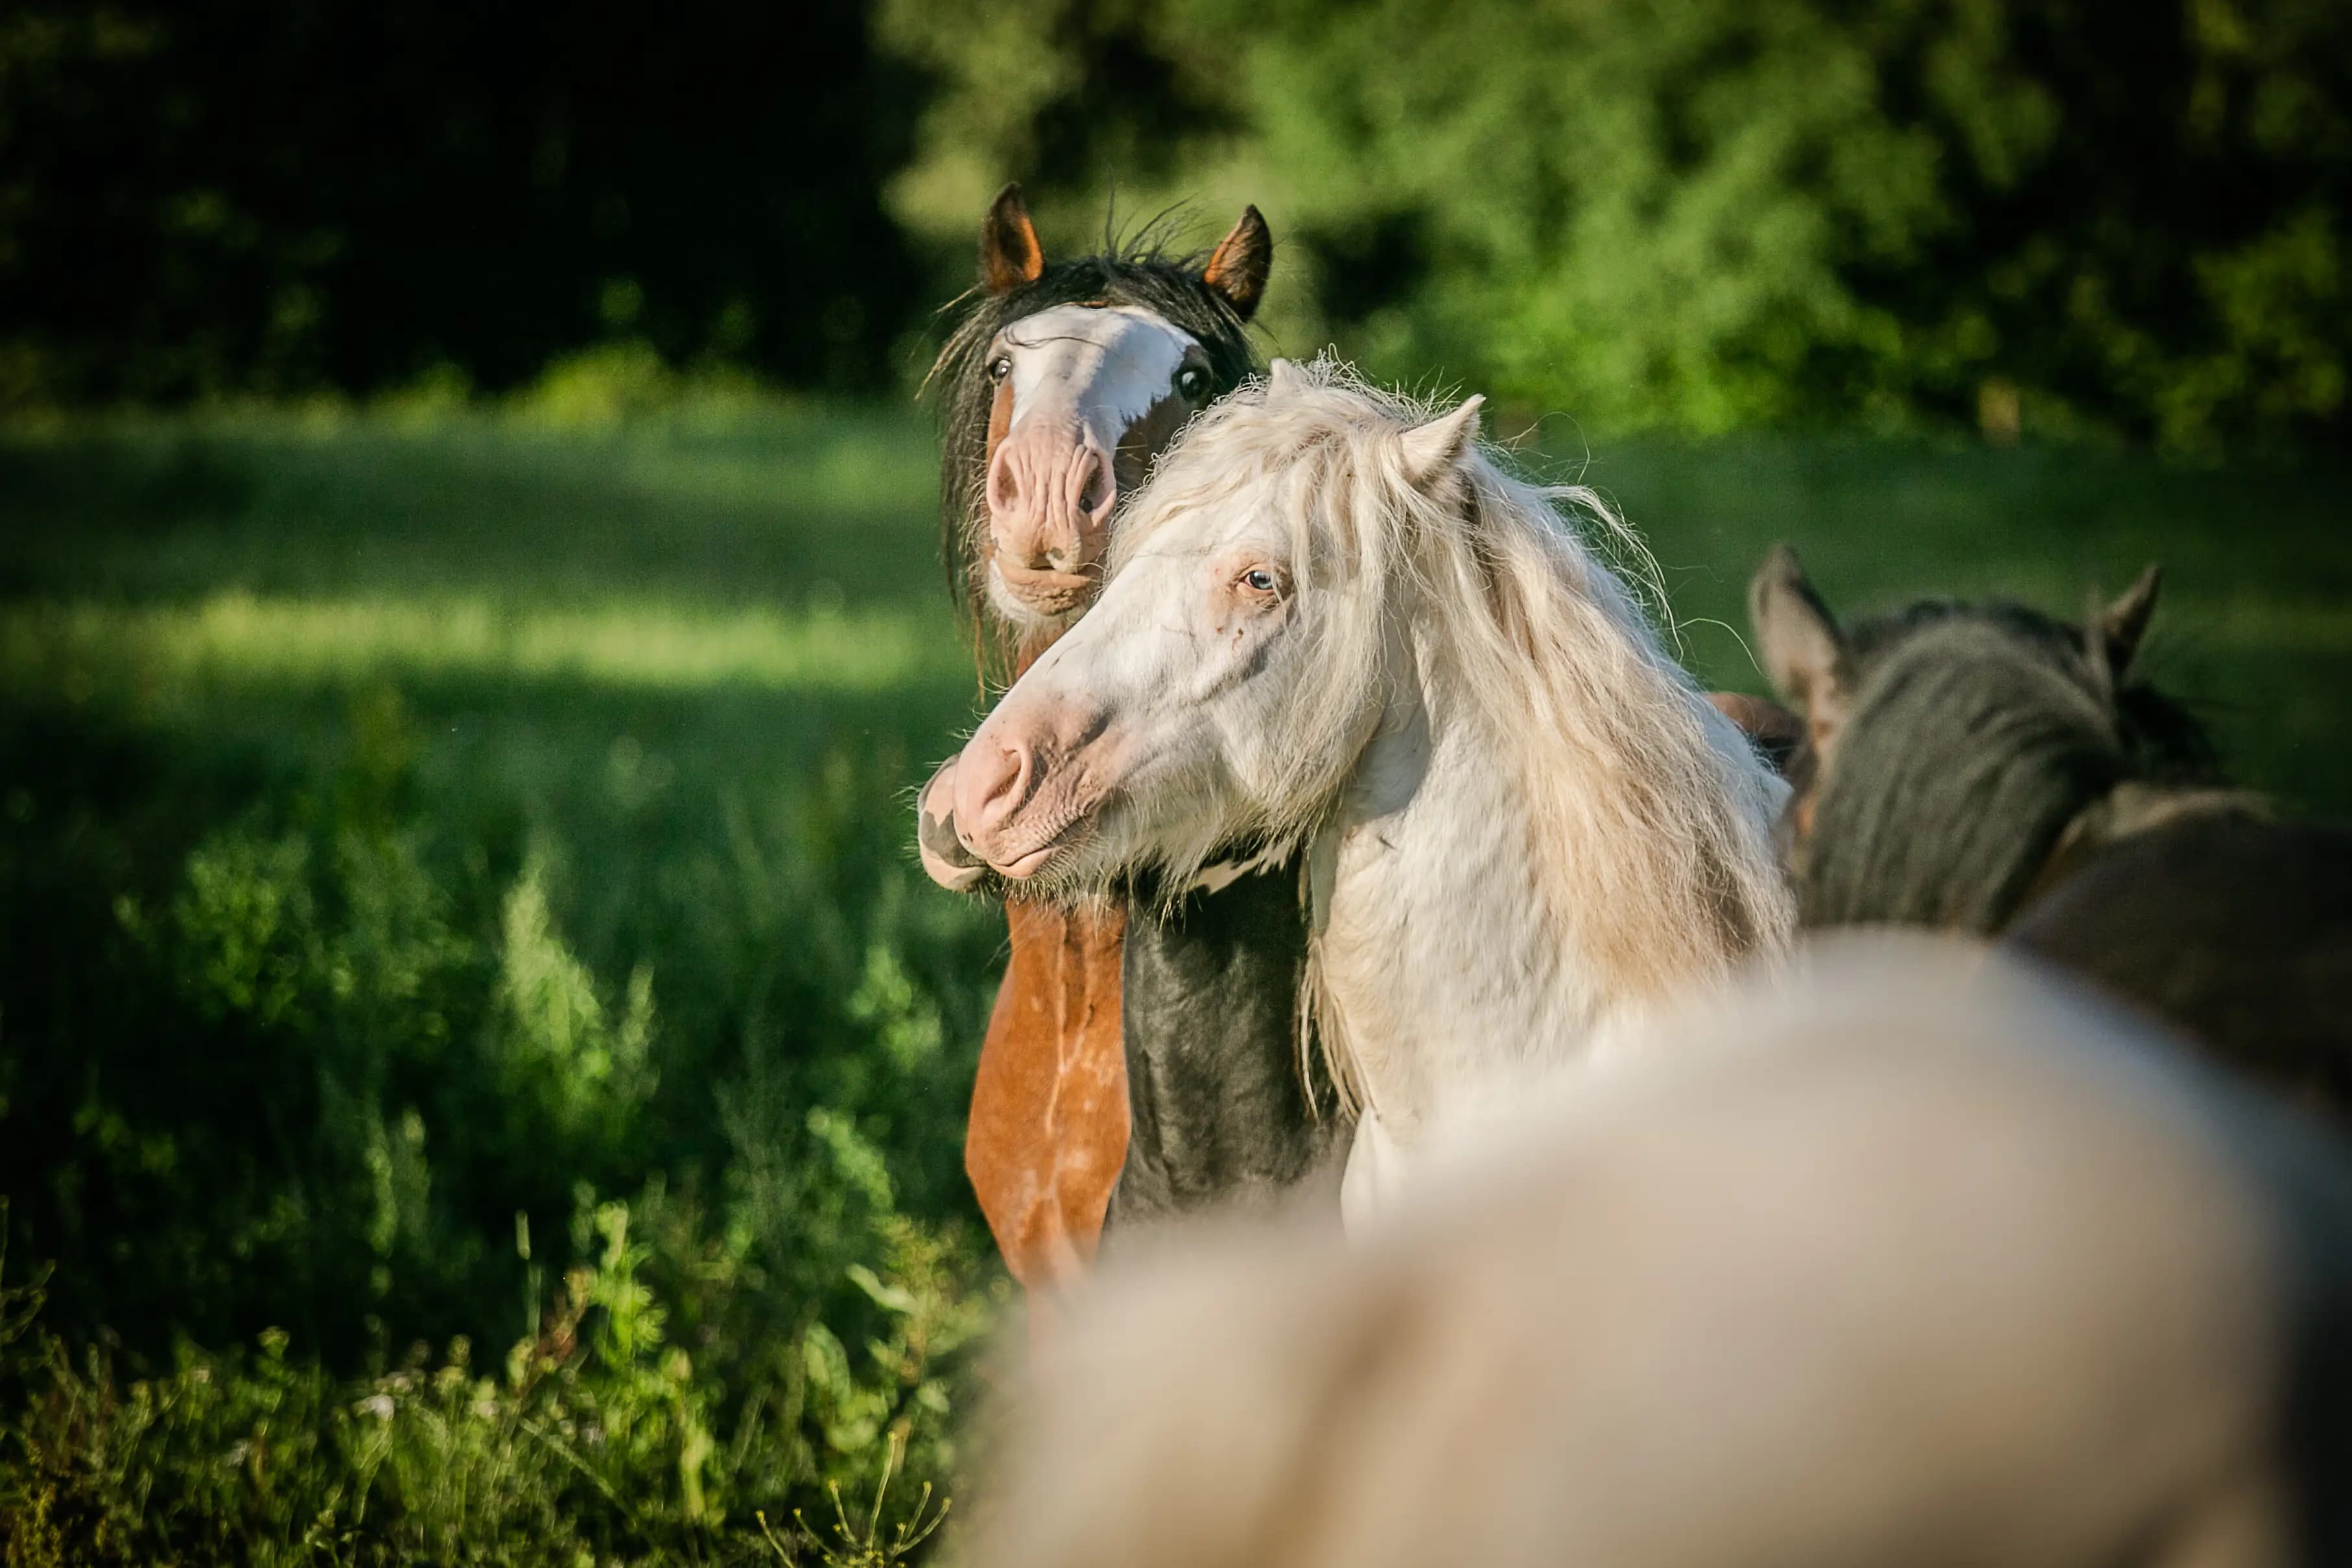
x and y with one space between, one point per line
1438 957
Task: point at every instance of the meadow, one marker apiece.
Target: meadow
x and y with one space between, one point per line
480 1072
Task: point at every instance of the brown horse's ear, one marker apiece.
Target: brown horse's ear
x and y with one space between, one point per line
1243 259
1010 254
1805 653
2122 624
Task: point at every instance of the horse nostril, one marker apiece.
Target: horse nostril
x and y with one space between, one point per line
1003 788
1003 486
1095 496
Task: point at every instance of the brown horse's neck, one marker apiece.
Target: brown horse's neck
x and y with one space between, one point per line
1048 1131
2131 808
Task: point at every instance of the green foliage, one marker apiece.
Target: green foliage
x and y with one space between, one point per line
452 889
1695 215
443 1066
598 1441
1703 216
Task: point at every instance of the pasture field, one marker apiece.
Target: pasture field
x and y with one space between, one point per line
455 893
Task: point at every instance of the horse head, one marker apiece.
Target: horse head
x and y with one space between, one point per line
1948 745
1063 382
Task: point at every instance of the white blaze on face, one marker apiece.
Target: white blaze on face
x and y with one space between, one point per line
1087 395
1103 366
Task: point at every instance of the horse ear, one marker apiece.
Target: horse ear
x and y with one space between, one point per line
1238 268
1431 450
2122 624
1805 653
1010 254
1283 380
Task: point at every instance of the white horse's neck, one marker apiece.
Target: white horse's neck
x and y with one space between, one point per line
1440 964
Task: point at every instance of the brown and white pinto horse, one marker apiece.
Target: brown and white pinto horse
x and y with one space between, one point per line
1060 383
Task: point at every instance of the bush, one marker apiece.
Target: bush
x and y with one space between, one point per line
342 1074
1714 215
598 1439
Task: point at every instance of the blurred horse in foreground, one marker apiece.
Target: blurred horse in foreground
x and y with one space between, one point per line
1985 768
1336 627
1916 1257
1060 383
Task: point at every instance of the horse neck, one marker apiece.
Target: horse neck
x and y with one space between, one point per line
2132 807
1440 961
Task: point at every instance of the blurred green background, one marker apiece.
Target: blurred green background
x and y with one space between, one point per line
471 623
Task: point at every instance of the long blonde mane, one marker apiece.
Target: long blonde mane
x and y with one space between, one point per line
1648 814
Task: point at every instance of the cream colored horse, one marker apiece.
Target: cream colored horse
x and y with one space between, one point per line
1333 621
1917 1260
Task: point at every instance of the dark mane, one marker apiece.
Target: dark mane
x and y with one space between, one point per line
1978 733
1137 274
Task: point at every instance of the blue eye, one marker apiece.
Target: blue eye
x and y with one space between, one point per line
1260 579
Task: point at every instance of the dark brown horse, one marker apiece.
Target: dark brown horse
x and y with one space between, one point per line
1985 769
1147 1052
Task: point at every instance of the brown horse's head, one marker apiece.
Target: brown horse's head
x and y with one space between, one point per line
1948 749
1061 383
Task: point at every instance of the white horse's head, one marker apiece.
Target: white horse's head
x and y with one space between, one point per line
1223 685
1316 563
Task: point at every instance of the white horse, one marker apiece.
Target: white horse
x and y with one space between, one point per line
1333 621
1912 1258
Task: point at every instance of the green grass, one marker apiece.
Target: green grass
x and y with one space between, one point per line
423 833
235 639
2254 628
414 840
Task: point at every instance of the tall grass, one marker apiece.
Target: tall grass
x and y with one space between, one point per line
453 894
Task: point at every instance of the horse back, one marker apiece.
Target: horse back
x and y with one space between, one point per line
2235 930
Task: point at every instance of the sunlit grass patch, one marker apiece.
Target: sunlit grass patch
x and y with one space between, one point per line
238 638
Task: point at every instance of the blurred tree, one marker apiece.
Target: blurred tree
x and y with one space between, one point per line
277 195
1709 212
1689 213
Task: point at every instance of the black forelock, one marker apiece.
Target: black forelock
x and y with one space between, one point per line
1139 274
1977 734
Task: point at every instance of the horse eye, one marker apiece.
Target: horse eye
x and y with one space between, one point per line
1000 367
1191 382
1260 579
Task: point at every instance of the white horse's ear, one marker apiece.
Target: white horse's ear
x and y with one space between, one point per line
1431 450
1283 380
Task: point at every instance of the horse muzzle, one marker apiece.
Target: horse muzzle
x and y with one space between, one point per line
1022 790
1046 593
945 860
